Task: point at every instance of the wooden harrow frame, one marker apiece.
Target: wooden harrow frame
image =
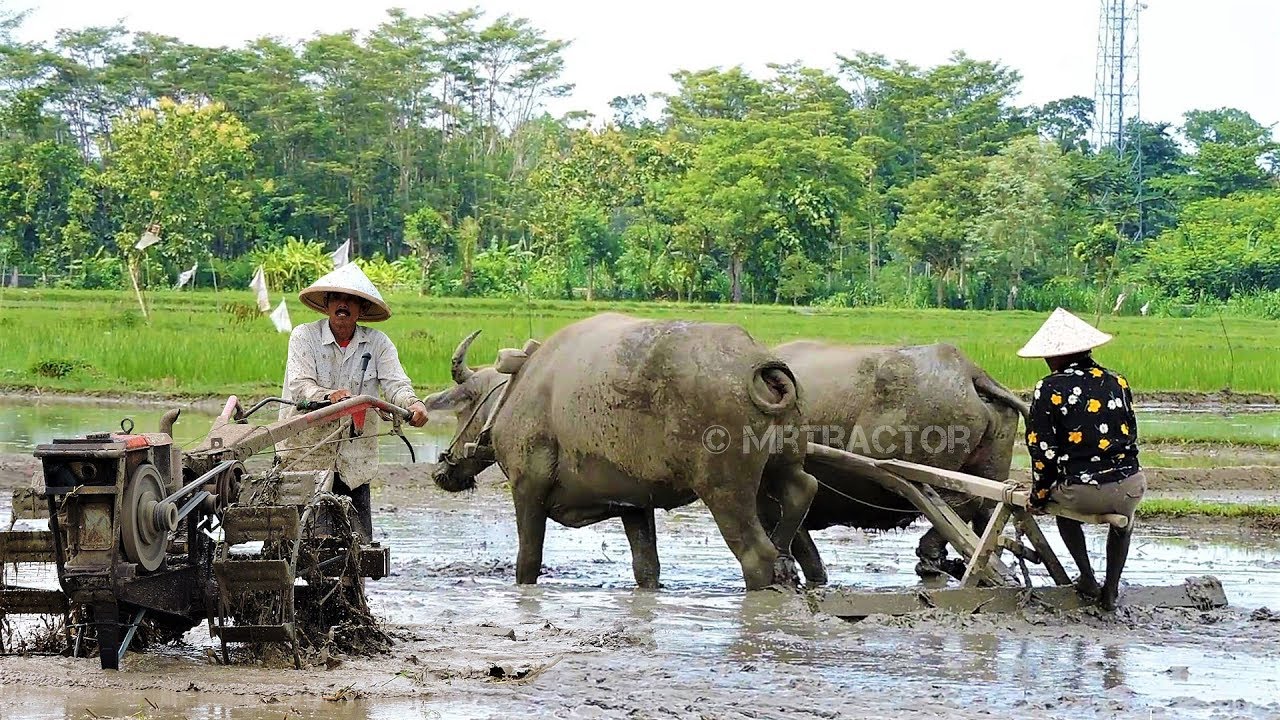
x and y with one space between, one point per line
988 584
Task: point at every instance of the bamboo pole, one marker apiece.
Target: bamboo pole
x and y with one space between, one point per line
133 276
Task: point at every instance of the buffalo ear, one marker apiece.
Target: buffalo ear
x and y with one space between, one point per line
455 399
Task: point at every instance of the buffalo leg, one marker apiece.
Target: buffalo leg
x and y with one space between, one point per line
736 514
795 489
805 552
643 538
530 484
531 527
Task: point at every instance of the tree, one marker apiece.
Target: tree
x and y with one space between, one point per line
800 277
1233 152
1221 246
1066 122
938 213
184 167
1021 195
762 188
426 231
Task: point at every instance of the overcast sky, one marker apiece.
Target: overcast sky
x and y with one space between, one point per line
1194 54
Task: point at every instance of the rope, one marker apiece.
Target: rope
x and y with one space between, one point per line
864 502
474 413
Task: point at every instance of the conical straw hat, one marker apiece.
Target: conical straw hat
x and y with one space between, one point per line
349 279
1063 334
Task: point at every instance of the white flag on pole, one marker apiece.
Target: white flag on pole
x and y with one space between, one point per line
280 318
149 237
259 284
1119 302
1145 307
186 276
341 255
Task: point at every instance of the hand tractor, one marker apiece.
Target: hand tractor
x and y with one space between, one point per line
140 529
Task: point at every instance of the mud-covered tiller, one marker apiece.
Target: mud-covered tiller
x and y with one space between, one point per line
139 529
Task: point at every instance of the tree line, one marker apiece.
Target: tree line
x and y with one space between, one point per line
426 143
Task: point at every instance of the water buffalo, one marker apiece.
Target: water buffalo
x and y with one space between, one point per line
615 416
928 404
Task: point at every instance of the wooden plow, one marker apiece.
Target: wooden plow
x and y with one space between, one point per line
988 584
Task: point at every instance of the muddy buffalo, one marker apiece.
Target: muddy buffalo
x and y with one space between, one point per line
615 416
928 404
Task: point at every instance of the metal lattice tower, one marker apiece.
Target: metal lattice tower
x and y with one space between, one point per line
1115 94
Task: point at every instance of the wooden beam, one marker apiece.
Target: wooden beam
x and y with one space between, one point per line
935 509
988 544
959 535
977 486
998 568
1048 558
1203 593
1019 549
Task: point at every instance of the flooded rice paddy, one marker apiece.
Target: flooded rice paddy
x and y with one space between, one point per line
702 648
586 644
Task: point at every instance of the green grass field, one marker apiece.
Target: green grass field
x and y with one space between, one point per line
1176 508
193 345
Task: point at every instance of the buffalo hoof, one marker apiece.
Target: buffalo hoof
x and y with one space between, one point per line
1088 590
929 569
786 572
1109 598
954 567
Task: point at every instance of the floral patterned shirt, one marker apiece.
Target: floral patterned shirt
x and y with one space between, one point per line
1082 429
317 366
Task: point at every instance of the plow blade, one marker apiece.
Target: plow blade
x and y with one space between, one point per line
242 576
29 504
260 523
26 601
26 546
287 488
255 633
375 562
1203 593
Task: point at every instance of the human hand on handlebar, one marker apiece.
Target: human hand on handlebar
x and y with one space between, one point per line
339 395
419 414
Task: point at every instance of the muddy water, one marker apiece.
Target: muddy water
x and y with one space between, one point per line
1239 427
702 648
26 424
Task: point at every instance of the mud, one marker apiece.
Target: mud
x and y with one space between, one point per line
585 643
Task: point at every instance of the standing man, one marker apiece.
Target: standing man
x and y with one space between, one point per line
325 362
1082 437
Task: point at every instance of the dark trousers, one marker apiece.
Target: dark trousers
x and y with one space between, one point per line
363 504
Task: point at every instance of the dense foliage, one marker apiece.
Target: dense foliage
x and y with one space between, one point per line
425 142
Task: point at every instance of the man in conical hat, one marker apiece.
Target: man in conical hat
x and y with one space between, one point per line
1082 436
326 362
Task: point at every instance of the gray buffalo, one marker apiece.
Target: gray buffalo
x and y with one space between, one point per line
928 404
615 416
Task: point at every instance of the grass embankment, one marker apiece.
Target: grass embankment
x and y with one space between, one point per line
194 344
1179 508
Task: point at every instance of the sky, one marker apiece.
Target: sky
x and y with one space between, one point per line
1194 54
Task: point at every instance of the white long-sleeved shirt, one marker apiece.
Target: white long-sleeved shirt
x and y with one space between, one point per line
317 366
